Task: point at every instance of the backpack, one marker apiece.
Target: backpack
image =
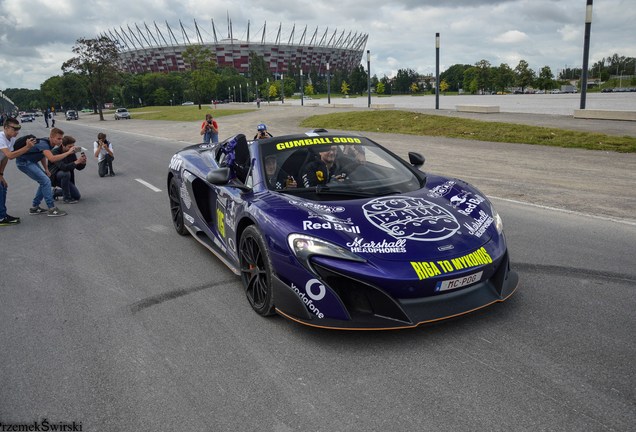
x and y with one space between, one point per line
36 152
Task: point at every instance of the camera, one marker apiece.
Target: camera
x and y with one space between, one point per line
209 122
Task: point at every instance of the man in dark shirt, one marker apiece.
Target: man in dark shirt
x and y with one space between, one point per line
63 171
325 169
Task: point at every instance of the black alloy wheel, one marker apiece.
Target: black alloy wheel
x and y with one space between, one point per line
175 207
256 271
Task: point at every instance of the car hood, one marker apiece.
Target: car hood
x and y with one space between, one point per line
447 218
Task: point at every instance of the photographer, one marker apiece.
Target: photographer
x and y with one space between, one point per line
63 171
210 130
103 151
261 132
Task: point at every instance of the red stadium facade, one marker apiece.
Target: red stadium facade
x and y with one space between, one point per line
155 49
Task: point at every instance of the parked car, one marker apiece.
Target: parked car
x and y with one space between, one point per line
71 115
188 103
382 245
122 113
26 117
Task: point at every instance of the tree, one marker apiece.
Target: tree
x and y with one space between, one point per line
484 81
470 80
73 91
309 90
414 88
273 91
344 88
524 76
454 76
443 86
51 91
545 81
386 81
504 77
358 80
379 88
403 80
203 80
259 69
96 60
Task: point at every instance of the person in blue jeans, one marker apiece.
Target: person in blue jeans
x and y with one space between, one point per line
210 130
11 127
28 164
63 172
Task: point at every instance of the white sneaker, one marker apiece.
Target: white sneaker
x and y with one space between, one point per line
54 211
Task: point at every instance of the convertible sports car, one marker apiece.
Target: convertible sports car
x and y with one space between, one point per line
336 231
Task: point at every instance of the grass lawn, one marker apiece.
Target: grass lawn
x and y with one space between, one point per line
413 123
183 113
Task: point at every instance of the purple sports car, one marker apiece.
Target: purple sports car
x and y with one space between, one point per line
335 231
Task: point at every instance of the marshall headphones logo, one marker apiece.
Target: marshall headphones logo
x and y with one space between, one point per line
411 218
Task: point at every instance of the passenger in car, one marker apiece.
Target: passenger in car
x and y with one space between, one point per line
277 179
324 169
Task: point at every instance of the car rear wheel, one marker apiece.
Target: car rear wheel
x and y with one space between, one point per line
175 208
256 271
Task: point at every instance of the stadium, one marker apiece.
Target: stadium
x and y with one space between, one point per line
160 48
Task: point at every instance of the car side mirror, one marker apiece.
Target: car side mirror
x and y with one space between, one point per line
222 177
416 159
219 176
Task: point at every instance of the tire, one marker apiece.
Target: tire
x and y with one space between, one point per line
175 208
256 271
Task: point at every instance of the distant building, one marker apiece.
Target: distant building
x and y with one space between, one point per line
143 49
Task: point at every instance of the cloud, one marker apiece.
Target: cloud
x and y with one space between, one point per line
36 36
511 37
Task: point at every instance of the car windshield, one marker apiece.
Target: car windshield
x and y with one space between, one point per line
334 167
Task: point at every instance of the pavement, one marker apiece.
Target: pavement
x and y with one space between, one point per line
597 183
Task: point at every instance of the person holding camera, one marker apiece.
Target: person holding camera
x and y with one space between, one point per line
28 164
261 132
63 171
103 151
11 128
210 130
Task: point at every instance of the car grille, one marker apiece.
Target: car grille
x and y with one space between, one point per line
360 298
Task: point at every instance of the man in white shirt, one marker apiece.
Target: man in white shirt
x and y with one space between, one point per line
10 130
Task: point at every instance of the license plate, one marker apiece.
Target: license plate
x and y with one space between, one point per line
459 282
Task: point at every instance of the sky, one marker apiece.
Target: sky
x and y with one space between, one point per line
37 36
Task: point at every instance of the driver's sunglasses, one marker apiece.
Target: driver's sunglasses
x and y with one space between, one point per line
15 128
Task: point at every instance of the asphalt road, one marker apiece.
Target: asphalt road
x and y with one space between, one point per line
110 319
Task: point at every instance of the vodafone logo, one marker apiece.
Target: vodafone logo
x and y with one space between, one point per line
315 289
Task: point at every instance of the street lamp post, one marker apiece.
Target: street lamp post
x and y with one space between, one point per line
256 86
229 93
267 90
369 78
436 71
240 93
328 85
234 94
586 51
302 90
282 89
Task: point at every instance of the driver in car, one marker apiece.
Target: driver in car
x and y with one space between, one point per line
325 169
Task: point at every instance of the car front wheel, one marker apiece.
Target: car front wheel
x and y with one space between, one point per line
256 271
175 208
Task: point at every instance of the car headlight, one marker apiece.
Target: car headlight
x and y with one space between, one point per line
497 219
304 247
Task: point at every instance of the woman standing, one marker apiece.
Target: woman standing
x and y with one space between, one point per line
210 130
